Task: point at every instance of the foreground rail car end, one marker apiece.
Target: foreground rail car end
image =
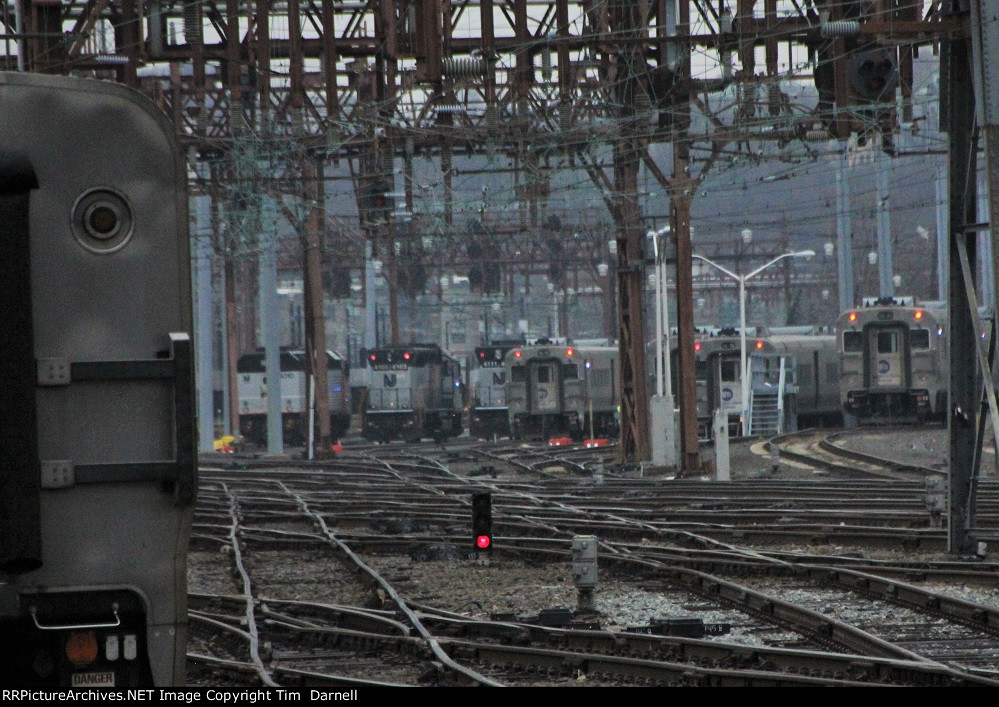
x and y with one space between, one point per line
559 389
294 394
894 361
414 392
98 440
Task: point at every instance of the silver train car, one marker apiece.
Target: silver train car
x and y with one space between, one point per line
414 392
487 378
560 390
894 361
252 386
98 445
812 376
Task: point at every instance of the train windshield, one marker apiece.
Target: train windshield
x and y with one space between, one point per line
920 338
888 342
853 342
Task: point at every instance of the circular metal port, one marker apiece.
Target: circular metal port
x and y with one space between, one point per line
102 220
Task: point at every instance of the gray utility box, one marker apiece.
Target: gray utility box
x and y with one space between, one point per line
584 561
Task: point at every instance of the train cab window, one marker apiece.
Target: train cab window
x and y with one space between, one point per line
701 370
570 371
730 371
853 342
518 374
919 339
887 342
544 375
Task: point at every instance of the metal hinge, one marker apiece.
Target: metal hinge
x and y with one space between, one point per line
58 474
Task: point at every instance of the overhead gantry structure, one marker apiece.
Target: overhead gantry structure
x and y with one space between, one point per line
274 99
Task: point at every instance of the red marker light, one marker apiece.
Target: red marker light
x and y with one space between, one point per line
569 352
919 314
483 541
697 346
372 357
406 355
759 345
482 354
853 316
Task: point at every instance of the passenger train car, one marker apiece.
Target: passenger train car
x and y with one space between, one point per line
414 392
487 384
811 377
894 360
558 389
294 396
98 443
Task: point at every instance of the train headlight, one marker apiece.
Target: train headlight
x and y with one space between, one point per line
853 316
759 345
918 314
81 648
569 352
517 354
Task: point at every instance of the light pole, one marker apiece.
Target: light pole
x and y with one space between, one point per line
743 359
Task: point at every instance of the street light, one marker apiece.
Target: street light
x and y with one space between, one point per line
741 279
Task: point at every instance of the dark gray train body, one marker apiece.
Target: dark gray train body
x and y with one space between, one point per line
894 361
98 442
487 381
561 390
414 392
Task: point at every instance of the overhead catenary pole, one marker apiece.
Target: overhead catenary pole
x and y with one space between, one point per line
963 400
943 231
885 263
844 236
270 330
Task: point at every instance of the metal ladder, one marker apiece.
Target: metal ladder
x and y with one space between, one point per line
766 401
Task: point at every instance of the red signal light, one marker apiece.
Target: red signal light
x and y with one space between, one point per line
405 355
372 357
919 314
482 354
853 316
697 346
483 542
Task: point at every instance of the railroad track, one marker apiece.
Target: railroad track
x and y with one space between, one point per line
394 509
821 450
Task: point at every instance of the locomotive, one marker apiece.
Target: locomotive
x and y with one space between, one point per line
894 360
414 391
294 396
487 383
99 441
556 389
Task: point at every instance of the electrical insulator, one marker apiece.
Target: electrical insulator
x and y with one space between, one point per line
463 67
874 75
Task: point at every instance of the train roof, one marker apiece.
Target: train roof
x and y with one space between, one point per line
291 360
